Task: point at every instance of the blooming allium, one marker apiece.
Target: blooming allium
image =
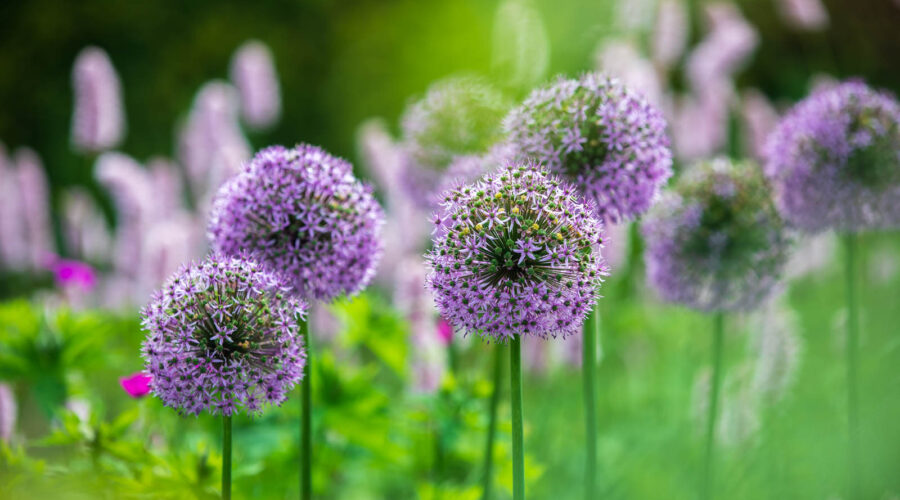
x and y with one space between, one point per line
223 335
98 120
716 242
253 73
457 117
303 213
516 253
834 160
137 385
596 132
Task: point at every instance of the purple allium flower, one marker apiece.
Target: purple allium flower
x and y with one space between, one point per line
253 73
516 253
137 385
223 335
8 411
457 117
98 121
596 132
303 213
716 242
834 160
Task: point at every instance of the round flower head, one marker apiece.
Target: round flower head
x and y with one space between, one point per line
458 116
834 160
302 213
222 335
716 242
515 253
601 135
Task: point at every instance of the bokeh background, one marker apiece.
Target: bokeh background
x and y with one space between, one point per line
379 433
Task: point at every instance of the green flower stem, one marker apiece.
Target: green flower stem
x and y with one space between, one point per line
852 353
518 439
708 462
589 372
226 457
492 423
306 420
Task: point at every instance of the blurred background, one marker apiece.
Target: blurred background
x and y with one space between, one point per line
400 401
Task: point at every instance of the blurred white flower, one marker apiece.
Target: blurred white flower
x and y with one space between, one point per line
521 49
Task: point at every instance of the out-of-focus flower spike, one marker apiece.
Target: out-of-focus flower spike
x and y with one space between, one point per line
809 15
622 60
776 348
428 360
87 235
759 118
13 242
168 189
35 199
8 412
98 120
253 73
671 34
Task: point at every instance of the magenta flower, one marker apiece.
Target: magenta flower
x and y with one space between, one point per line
72 272
444 331
137 385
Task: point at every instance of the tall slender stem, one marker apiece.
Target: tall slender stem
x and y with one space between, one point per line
492 424
226 457
708 462
306 420
518 439
588 371
852 353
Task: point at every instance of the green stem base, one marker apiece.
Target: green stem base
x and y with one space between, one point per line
518 438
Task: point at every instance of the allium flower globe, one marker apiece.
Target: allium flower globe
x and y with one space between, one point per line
223 335
457 117
302 213
834 160
516 253
716 242
599 134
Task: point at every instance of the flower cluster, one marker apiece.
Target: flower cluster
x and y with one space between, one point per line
717 241
457 117
98 121
516 253
303 213
834 160
606 138
222 335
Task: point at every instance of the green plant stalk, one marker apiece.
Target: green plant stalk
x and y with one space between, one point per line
589 372
306 419
518 439
226 457
852 353
492 423
708 461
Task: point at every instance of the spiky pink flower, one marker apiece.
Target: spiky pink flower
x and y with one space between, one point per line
253 73
98 120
